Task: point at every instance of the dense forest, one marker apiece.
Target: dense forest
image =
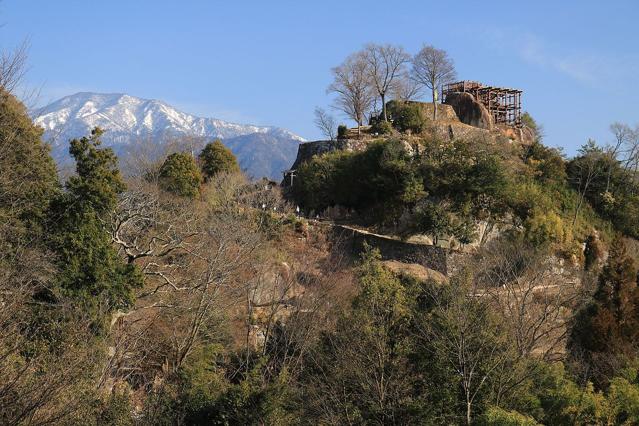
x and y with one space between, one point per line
182 292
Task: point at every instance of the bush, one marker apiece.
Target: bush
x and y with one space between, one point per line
406 116
381 127
496 416
547 227
342 131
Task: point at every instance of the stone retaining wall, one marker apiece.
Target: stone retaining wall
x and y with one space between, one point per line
431 257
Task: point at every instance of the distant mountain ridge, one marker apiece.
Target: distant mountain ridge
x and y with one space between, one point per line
261 150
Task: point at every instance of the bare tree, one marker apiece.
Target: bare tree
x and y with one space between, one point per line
13 67
351 83
326 123
385 65
432 67
632 158
623 134
588 168
406 88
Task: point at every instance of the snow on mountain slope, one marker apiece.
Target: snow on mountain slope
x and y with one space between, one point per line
128 120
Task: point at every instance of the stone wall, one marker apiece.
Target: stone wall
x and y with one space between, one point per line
430 257
308 150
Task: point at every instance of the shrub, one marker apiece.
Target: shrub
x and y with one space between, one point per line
406 116
382 127
342 131
495 416
547 227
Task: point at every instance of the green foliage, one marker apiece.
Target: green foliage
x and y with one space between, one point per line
342 131
547 163
28 177
97 182
207 396
216 158
611 189
495 416
406 116
546 227
388 179
378 179
117 410
606 332
180 175
90 268
359 370
381 127
438 220
623 397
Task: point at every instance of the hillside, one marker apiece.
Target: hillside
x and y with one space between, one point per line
128 120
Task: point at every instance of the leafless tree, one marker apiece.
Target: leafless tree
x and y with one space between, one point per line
406 88
352 85
530 294
432 68
326 123
623 135
193 257
589 168
13 67
632 154
385 64
38 384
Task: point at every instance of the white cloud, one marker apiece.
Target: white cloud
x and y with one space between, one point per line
587 67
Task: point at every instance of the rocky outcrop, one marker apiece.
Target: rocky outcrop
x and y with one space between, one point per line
444 112
523 135
416 271
469 111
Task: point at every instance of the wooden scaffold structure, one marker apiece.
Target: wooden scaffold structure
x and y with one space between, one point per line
504 104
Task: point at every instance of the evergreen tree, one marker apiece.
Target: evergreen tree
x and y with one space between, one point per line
216 158
180 175
28 179
606 333
90 269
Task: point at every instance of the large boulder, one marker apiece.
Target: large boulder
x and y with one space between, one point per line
469 110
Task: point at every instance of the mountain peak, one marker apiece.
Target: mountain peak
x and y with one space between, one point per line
128 119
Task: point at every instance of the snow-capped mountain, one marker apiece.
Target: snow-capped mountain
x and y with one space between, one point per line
128 120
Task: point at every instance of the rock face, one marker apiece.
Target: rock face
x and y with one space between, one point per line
523 135
444 112
469 110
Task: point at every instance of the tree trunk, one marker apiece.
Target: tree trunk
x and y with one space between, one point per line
434 104
468 411
383 96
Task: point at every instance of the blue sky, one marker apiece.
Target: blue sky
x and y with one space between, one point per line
268 62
